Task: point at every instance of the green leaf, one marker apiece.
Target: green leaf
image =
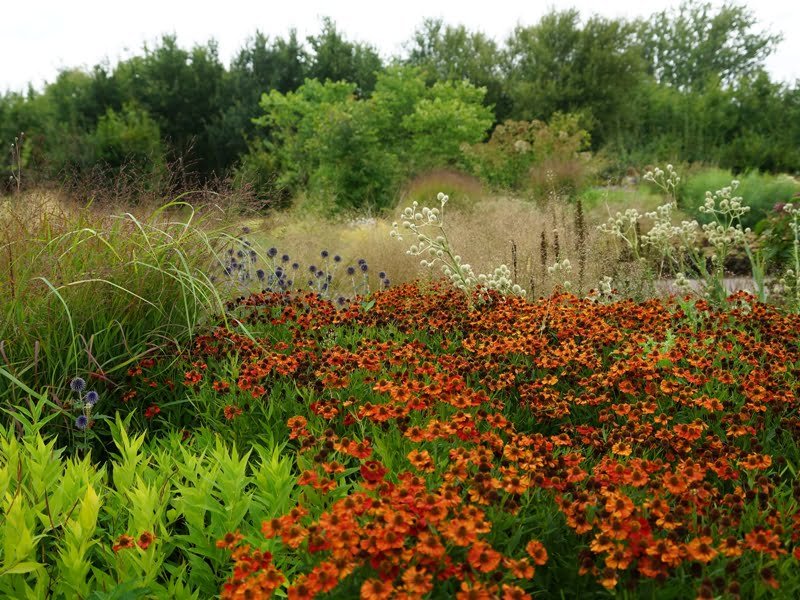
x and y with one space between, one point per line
22 567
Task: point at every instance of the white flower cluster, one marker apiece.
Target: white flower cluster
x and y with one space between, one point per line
437 249
501 281
663 233
667 181
623 226
560 271
727 210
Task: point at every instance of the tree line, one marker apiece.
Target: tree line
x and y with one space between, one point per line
687 84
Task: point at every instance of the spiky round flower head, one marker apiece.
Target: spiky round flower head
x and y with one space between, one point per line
240 254
312 269
77 384
340 300
285 258
319 273
324 254
82 422
245 230
362 261
310 283
230 251
295 266
382 275
351 270
386 283
260 274
91 397
279 272
272 252
337 258
364 267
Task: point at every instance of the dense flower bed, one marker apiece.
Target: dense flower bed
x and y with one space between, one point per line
516 449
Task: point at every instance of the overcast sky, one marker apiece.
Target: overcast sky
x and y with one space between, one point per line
39 37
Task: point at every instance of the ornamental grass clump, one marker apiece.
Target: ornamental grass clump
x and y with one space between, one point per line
436 246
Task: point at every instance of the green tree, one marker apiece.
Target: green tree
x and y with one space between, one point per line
559 65
697 44
335 58
180 89
452 53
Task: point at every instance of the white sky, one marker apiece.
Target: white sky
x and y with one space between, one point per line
39 37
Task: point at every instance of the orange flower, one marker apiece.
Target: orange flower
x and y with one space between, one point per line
675 483
537 552
483 557
145 539
417 581
124 542
619 558
512 592
460 532
229 541
619 506
476 591
231 412
375 589
608 578
521 568
701 549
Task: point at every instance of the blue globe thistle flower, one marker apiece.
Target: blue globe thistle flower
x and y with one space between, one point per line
82 422
362 261
382 275
240 254
279 272
230 251
337 258
351 270
260 274
245 230
386 283
91 397
340 300
77 384
272 252
324 254
310 282
285 258
364 267
319 273
312 269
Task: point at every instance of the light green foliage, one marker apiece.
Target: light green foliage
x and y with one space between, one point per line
129 138
324 137
441 124
59 517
